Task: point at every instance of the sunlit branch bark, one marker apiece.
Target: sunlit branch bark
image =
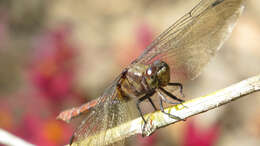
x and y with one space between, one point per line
190 108
9 139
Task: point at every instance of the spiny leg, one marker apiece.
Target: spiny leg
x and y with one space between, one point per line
180 101
171 95
138 106
162 98
168 101
178 85
150 100
148 96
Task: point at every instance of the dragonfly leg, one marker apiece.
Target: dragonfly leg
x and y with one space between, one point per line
168 101
178 85
138 107
147 96
150 100
171 95
162 98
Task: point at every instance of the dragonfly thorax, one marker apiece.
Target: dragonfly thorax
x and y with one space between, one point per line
141 79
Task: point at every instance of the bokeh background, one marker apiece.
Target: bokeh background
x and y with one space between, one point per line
58 54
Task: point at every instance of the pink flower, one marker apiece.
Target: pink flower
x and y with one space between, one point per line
52 69
194 136
40 131
144 35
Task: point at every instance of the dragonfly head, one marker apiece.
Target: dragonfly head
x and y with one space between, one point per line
158 74
162 73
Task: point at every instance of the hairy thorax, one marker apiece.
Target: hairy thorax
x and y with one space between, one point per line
141 79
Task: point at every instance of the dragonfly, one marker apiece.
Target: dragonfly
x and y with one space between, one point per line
178 54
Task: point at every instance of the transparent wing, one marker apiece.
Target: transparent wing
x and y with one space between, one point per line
189 44
110 112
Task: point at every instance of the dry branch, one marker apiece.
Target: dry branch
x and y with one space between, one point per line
190 108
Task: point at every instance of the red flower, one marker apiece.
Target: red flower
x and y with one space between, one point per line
40 131
52 68
194 136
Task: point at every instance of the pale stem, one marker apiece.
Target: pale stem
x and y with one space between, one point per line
189 108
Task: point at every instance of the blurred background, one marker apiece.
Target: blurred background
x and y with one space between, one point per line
58 54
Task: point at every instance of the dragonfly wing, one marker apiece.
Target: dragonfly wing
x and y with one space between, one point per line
109 112
188 45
